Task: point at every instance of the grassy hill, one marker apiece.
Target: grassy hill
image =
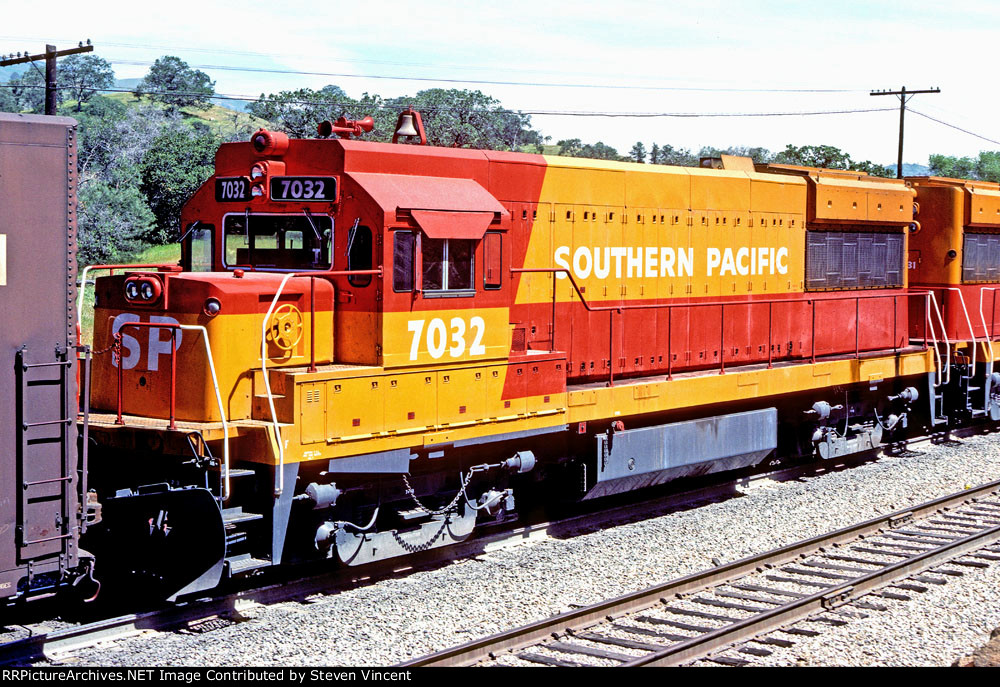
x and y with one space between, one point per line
220 119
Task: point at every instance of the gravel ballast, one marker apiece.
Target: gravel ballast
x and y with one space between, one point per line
397 619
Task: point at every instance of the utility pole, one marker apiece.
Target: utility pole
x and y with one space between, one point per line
903 93
50 55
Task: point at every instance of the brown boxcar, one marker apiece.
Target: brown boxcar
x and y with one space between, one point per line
39 479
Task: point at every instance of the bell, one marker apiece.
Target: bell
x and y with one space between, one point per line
406 127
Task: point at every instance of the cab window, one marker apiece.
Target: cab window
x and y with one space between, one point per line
280 242
199 248
359 255
447 265
402 260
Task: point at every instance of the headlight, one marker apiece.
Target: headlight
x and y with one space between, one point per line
212 307
142 289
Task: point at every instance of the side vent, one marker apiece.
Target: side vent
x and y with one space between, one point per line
519 341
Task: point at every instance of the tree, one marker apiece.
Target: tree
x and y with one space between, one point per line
84 75
638 152
177 163
29 91
813 156
8 103
986 166
573 147
171 81
113 223
297 113
466 119
829 157
114 138
757 154
678 156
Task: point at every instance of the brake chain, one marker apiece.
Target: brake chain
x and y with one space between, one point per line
441 511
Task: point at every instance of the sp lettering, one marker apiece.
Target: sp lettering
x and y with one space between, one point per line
147 343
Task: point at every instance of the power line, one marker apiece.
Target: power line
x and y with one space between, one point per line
251 53
540 112
488 82
50 56
965 131
902 112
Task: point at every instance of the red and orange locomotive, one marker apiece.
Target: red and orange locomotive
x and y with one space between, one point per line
370 347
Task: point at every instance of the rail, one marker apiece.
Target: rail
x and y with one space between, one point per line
571 623
280 477
160 267
722 305
173 385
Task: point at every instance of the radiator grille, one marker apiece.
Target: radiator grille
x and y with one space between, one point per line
981 258
853 260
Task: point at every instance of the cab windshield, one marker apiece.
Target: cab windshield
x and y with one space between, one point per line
283 242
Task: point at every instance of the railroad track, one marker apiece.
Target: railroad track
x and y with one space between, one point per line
56 645
736 607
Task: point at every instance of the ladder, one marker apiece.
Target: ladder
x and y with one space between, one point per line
45 456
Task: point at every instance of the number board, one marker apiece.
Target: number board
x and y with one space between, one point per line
232 189
313 189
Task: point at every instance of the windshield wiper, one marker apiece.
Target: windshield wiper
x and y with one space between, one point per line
312 224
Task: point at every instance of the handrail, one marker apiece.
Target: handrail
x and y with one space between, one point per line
215 384
810 299
280 477
160 267
968 322
944 335
987 379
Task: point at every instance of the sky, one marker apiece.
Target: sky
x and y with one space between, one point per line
629 56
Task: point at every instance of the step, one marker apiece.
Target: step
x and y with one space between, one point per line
244 563
412 514
232 516
239 472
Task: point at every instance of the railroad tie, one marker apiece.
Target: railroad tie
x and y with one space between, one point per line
768 590
650 632
754 651
817 573
548 660
619 641
871 606
801 631
879 552
568 648
748 597
834 566
727 604
675 623
699 614
804 583
727 661
774 641
894 596
855 559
